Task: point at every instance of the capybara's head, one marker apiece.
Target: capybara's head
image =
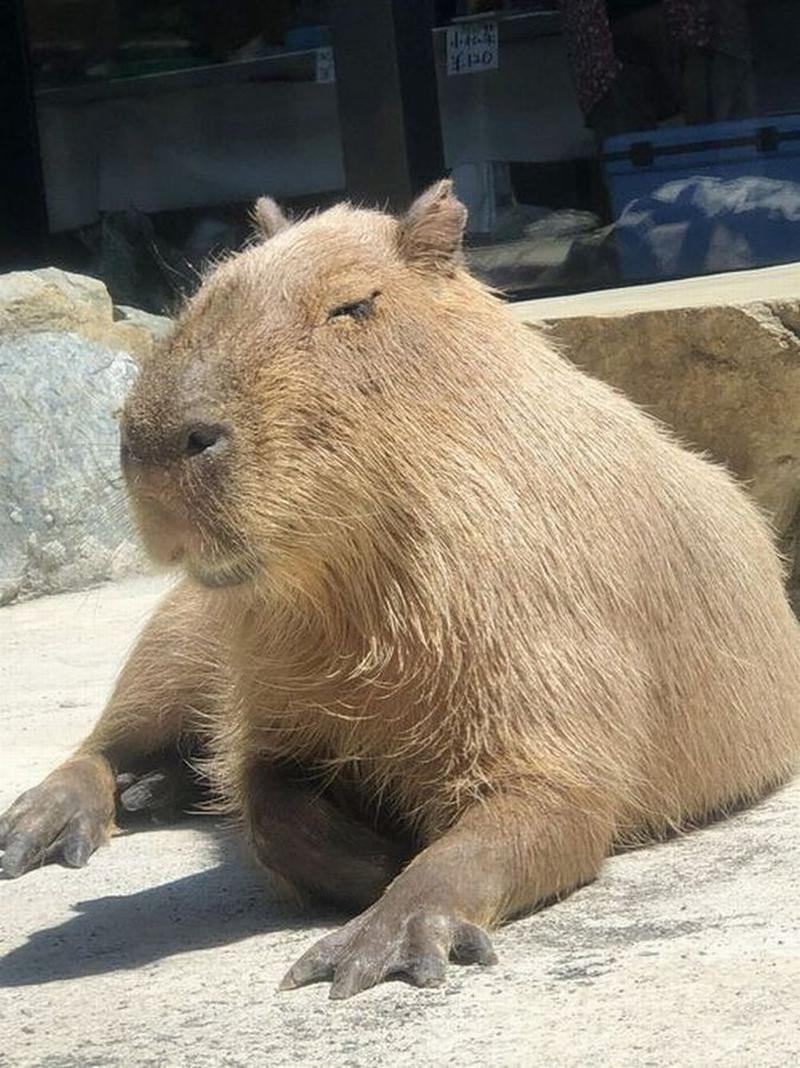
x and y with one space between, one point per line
270 426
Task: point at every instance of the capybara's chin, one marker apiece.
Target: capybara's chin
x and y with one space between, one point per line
214 559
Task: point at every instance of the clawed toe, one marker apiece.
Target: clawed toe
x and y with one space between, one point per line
379 945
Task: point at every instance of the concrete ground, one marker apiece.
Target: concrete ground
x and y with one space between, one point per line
167 949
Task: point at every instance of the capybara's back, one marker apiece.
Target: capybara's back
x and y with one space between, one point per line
685 655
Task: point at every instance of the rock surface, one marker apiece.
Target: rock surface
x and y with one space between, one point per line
57 301
67 357
727 379
167 949
725 376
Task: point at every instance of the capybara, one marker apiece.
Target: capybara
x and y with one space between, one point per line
456 619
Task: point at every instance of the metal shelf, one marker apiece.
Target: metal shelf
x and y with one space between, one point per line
297 66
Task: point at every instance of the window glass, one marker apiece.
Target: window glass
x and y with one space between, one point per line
609 142
595 142
159 124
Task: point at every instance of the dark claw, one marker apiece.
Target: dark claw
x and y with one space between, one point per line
151 791
313 967
164 793
473 946
76 852
354 976
12 816
428 970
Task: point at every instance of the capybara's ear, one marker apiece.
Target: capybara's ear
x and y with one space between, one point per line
432 229
268 218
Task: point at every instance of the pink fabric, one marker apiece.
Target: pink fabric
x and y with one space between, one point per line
591 46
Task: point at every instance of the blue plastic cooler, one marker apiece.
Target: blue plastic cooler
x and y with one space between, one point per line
643 173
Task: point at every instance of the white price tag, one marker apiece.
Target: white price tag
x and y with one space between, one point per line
326 68
472 47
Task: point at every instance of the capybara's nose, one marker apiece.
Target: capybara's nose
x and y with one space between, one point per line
198 438
146 442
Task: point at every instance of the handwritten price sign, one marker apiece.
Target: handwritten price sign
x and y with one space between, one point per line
472 48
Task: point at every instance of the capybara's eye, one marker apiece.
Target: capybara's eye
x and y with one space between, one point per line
355 309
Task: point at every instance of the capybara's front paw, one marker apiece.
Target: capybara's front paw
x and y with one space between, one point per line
390 940
67 816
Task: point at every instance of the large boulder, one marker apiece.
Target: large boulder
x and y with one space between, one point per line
54 300
67 358
725 377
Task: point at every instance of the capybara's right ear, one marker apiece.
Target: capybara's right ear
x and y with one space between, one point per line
268 218
432 229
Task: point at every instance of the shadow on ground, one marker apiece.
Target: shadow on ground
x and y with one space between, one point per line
218 906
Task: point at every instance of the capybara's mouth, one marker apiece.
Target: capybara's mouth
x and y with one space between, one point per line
219 576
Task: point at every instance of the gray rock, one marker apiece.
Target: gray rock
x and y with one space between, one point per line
67 357
156 325
63 517
54 300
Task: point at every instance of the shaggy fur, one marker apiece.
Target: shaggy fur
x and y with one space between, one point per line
433 564
475 569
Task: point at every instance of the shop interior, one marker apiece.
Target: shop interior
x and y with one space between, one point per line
596 142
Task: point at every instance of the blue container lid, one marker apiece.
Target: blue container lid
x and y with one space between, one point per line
645 148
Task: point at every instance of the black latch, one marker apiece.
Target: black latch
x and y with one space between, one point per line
641 154
768 139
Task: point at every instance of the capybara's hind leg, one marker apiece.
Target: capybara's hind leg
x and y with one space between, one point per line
164 786
317 844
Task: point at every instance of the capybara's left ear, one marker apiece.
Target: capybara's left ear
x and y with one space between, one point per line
268 218
432 230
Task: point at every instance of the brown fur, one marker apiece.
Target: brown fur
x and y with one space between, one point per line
491 572
478 589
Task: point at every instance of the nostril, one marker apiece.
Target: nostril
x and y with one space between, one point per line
199 437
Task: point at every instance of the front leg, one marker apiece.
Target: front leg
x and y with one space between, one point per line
504 856
173 681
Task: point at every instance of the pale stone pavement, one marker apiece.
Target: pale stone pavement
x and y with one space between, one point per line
167 949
